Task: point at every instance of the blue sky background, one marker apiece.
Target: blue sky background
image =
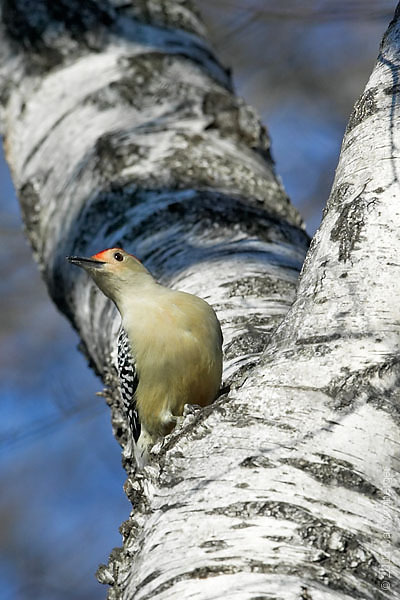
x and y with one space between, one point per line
61 499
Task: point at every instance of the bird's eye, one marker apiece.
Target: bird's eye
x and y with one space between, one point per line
118 256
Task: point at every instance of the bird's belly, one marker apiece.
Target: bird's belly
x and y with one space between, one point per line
187 377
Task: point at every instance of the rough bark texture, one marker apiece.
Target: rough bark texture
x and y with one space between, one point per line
121 129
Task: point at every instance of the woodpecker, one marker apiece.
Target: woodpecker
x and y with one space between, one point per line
169 346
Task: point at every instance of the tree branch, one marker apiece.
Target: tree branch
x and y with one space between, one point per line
121 129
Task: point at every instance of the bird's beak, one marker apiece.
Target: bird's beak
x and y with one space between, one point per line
85 263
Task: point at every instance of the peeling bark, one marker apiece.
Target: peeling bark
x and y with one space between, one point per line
121 128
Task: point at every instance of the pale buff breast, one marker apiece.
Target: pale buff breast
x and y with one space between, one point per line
179 360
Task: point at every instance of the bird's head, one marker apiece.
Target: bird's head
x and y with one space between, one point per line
114 271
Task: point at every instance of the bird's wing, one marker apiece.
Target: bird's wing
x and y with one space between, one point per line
128 382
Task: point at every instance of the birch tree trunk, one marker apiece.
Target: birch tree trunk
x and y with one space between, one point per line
121 129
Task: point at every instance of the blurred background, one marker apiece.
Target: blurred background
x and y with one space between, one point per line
302 64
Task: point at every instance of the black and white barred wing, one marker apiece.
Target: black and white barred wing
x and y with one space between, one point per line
128 382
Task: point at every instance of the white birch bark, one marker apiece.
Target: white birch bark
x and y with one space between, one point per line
121 129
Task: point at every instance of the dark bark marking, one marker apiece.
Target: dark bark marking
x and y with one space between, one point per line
262 286
323 340
118 150
243 371
242 525
46 135
347 229
199 573
30 202
213 545
233 118
147 80
27 20
334 472
275 538
153 575
36 26
341 551
392 90
279 510
338 550
349 224
115 151
172 481
216 212
319 339
305 594
31 26
368 383
337 197
253 341
163 14
257 462
190 171
176 505
365 107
